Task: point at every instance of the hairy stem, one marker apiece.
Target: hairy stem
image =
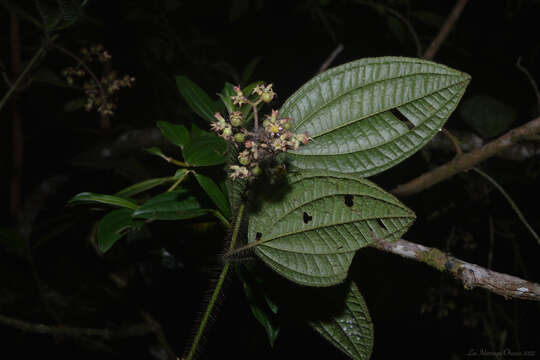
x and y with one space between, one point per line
217 289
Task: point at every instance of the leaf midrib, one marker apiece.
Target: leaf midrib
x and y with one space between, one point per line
384 109
409 131
398 205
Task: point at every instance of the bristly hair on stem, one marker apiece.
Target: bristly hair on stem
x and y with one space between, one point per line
191 352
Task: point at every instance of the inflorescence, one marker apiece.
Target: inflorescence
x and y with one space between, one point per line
99 95
257 146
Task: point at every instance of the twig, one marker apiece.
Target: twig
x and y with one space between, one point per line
471 275
467 160
510 201
445 29
402 18
330 59
21 77
454 141
135 330
531 80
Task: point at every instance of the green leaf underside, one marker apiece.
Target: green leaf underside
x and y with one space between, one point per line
319 252
351 331
196 98
104 199
143 186
177 134
347 111
174 205
215 193
112 227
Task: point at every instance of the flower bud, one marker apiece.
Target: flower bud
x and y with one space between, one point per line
256 171
236 118
227 132
239 137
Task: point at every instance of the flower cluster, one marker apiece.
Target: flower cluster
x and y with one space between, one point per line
260 144
100 93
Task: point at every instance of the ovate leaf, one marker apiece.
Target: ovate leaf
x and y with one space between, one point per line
112 227
310 232
177 134
350 330
174 205
196 98
215 193
368 115
104 199
143 186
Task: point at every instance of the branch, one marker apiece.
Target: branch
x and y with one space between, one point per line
135 330
471 275
468 160
469 142
445 29
330 58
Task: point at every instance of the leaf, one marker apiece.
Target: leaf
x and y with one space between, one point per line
358 114
174 205
104 199
196 98
143 186
205 150
250 67
215 193
177 134
156 151
310 232
487 116
351 330
225 97
112 227
259 303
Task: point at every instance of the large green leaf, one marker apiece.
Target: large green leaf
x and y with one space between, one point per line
350 330
177 134
206 150
104 199
309 234
215 193
368 115
196 98
174 205
112 227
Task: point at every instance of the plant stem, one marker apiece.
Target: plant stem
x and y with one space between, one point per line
21 77
178 182
217 289
176 162
222 218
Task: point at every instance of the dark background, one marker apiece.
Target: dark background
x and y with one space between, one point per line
51 273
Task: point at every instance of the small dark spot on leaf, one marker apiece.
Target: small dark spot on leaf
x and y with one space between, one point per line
307 218
258 236
349 200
